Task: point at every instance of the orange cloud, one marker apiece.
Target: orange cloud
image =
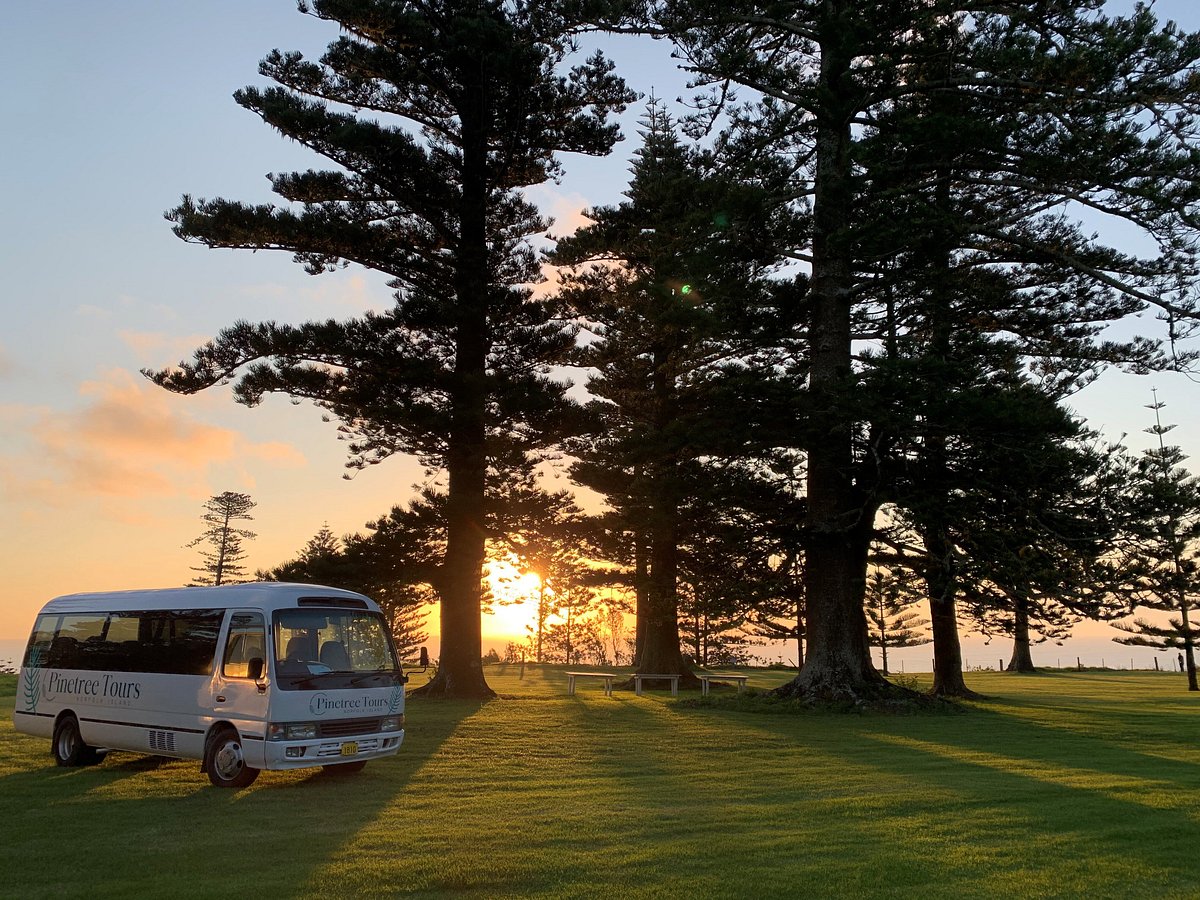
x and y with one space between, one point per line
277 452
551 284
136 420
129 439
567 212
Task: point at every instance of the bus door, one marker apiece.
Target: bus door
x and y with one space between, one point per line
240 688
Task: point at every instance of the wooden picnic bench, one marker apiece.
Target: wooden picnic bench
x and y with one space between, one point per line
607 676
706 677
638 679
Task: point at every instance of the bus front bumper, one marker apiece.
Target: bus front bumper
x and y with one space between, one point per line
331 751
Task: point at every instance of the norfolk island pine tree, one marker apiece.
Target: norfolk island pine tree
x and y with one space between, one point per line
455 368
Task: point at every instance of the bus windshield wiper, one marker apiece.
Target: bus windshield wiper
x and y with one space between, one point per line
373 674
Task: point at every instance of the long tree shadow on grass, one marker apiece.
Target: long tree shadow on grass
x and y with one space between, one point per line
160 829
1113 804
1094 798
1094 801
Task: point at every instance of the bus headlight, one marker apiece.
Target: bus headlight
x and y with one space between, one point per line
391 723
291 731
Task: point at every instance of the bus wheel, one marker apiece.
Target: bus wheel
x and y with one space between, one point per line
67 745
226 763
345 768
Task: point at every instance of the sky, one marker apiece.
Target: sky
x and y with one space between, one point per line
113 111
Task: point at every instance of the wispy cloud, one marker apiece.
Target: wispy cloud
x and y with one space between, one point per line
91 311
157 349
127 439
347 293
124 306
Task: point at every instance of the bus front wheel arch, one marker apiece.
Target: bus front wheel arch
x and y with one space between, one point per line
225 759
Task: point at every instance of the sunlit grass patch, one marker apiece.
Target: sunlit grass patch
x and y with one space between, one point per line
1058 786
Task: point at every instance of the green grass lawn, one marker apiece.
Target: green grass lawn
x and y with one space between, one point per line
1059 785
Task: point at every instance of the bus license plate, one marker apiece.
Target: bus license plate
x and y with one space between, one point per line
350 748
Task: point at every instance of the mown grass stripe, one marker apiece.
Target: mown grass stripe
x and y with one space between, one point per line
1062 785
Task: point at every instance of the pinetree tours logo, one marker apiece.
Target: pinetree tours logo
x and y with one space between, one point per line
31 681
322 704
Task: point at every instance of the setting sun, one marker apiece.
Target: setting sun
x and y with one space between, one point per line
511 584
514 602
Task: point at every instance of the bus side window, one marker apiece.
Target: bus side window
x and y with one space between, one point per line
63 653
247 640
193 640
79 643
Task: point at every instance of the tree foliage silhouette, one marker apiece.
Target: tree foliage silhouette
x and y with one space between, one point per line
471 107
1165 538
222 538
990 123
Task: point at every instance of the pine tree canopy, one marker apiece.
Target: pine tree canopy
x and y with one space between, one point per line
223 554
470 107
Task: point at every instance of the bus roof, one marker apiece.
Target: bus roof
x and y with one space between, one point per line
268 595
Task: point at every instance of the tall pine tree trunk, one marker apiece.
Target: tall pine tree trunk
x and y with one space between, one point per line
460 668
941 579
942 587
883 643
839 520
641 609
219 577
660 650
1189 642
661 654
1022 658
801 631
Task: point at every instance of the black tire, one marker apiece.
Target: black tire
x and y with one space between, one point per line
225 762
345 768
67 745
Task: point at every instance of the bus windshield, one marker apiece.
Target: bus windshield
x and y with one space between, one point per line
332 648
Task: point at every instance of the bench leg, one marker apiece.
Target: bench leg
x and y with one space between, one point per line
570 686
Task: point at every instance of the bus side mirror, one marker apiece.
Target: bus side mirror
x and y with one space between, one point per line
254 668
424 658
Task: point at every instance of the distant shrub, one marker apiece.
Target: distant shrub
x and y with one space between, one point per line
905 681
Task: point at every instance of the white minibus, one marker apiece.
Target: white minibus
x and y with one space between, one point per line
243 677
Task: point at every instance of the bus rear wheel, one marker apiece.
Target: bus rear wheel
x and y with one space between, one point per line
225 762
67 744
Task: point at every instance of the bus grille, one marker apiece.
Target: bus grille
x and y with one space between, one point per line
368 746
345 727
162 741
